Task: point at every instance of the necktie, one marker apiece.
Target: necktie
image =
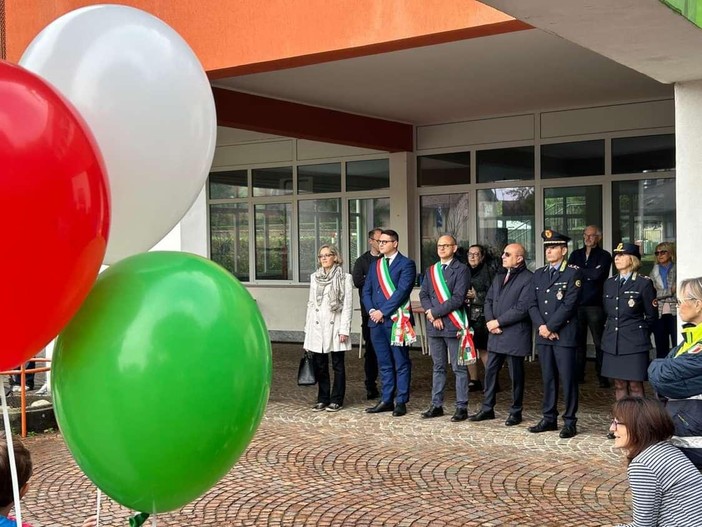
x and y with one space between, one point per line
621 282
553 273
443 267
506 277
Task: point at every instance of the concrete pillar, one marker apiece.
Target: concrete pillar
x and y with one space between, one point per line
688 178
403 186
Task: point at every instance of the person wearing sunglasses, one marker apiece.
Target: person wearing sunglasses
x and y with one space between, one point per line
665 486
679 375
631 308
328 326
663 276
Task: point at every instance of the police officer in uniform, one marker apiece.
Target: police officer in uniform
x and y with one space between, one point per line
632 309
557 290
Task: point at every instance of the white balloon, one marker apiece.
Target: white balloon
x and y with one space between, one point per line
146 98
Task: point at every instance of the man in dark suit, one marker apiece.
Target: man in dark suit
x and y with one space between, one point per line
442 296
386 297
554 314
360 271
507 314
595 264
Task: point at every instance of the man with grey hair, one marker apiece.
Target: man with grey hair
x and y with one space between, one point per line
595 264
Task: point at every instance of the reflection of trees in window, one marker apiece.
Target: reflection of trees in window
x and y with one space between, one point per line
364 215
319 223
229 237
506 215
273 241
442 214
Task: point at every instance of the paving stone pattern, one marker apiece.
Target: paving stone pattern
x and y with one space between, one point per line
351 468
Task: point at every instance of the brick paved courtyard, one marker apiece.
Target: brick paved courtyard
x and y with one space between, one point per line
350 468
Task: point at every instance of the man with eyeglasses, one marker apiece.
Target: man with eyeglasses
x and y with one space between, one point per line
442 296
507 313
595 264
360 272
386 296
554 314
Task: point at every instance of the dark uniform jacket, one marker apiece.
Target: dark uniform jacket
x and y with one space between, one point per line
509 305
556 303
595 271
631 310
457 278
360 270
679 377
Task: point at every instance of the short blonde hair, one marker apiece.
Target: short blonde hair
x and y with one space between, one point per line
634 262
667 246
332 249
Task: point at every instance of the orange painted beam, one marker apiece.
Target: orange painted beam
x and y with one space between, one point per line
245 36
262 114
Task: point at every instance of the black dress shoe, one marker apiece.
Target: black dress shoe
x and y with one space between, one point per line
610 435
513 419
568 431
483 415
434 411
543 426
461 414
380 407
475 386
372 394
400 410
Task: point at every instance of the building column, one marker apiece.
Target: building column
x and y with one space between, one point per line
403 184
688 177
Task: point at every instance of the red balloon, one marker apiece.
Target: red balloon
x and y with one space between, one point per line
54 213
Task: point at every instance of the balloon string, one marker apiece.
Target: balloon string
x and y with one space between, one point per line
97 512
11 456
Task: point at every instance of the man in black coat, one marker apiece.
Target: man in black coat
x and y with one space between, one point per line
359 274
554 313
595 264
442 296
507 314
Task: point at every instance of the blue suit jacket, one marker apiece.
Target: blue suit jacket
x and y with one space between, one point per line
403 272
457 279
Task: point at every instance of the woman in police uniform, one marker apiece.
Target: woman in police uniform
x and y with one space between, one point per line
631 309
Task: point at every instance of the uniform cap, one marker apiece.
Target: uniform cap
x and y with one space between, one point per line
628 248
552 237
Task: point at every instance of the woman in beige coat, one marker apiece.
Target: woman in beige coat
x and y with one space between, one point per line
328 326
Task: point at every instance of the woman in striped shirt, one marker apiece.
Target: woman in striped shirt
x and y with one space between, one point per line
665 486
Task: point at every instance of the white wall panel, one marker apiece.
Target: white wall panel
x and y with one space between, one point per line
253 153
315 150
482 131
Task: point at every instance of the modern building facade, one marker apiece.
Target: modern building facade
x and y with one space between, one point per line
428 117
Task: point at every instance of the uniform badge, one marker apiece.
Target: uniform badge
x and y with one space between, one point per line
631 302
559 295
619 248
695 349
548 233
655 302
578 283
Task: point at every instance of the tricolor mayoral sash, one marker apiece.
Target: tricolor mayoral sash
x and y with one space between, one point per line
402 330
466 348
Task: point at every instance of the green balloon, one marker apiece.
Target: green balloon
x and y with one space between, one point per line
161 379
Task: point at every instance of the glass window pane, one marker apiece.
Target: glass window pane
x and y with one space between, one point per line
506 215
505 164
649 153
273 239
367 175
364 215
229 237
581 158
319 223
228 185
643 212
443 169
272 181
312 179
569 210
442 214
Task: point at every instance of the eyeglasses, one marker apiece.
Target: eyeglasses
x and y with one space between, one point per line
383 242
375 239
616 423
591 235
660 252
680 302
325 256
474 255
444 245
507 254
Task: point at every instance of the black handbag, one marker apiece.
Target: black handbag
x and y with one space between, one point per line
305 373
